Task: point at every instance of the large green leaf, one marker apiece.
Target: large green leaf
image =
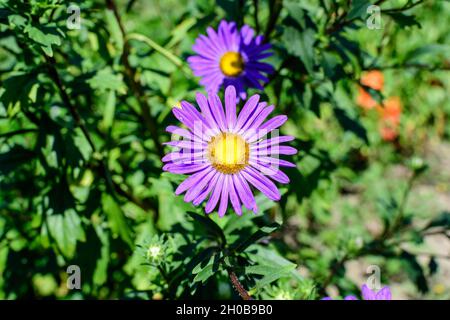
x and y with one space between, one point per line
301 45
117 219
66 229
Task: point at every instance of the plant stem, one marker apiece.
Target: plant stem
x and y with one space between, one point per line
404 8
135 85
238 285
103 169
54 75
275 10
255 14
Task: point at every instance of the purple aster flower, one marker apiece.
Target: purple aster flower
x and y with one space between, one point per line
226 154
231 57
368 294
383 294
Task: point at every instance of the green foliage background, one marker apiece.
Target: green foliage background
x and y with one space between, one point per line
82 118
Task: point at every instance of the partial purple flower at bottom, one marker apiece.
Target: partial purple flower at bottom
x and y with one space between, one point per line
368 294
383 294
346 298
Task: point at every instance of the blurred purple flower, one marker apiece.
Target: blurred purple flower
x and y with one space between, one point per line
383 294
346 298
231 57
368 294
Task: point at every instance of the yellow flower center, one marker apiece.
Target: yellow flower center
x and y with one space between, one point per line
228 153
232 64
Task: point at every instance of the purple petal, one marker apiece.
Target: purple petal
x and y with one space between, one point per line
185 157
212 202
273 161
206 111
244 192
189 182
272 141
184 168
223 206
233 196
248 108
195 190
230 106
261 183
384 294
274 123
260 107
367 293
217 110
261 117
202 196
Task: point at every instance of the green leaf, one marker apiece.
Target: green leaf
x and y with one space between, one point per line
4 14
296 12
12 159
430 49
349 124
110 109
301 45
404 20
358 9
101 269
415 271
16 20
443 220
116 218
17 88
210 226
105 80
205 271
270 266
261 233
270 274
4 249
114 29
433 266
66 229
332 65
181 30
45 36
172 208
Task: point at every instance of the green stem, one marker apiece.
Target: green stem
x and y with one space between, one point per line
255 14
238 285
135 85
152 44
275 10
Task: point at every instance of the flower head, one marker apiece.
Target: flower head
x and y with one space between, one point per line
231 57
225 154
154 252
373 79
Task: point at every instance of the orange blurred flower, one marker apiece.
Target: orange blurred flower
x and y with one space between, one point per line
373 79
390 113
